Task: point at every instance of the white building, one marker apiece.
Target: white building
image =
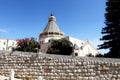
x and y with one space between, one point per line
52 31
82 48
7 44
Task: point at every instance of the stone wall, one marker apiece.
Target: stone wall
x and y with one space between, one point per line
29 66
7 78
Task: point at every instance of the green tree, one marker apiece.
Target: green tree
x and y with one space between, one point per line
27 45
61 46
111 32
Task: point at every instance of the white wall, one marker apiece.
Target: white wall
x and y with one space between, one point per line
3 44
7 45
84 47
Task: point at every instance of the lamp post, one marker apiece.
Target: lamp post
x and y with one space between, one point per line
40 78
12 74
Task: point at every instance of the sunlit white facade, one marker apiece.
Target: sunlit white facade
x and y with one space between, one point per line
81 47
52 31
7 44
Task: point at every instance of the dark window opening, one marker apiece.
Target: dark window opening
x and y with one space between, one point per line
76 54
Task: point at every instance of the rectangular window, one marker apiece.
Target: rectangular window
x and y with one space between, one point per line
3 49
13 43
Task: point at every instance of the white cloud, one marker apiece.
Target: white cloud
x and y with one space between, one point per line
3 31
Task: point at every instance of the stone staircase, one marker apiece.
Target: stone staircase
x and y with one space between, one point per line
29 66
7 78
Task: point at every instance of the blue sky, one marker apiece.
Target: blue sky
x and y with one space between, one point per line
83 19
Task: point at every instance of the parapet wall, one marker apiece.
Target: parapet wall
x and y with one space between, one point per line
29 66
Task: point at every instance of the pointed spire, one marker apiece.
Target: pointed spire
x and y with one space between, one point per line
52 29
52 14
52 25
52 17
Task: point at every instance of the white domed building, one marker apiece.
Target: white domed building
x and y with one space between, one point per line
52 31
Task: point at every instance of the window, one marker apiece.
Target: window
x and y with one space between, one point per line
82 43
4 43
13 43
76 54
49 40
81 47
3 48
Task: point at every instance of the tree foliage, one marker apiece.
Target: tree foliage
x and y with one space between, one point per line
61 46
111 32
27 45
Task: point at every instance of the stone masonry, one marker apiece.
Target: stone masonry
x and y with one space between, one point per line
29 66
